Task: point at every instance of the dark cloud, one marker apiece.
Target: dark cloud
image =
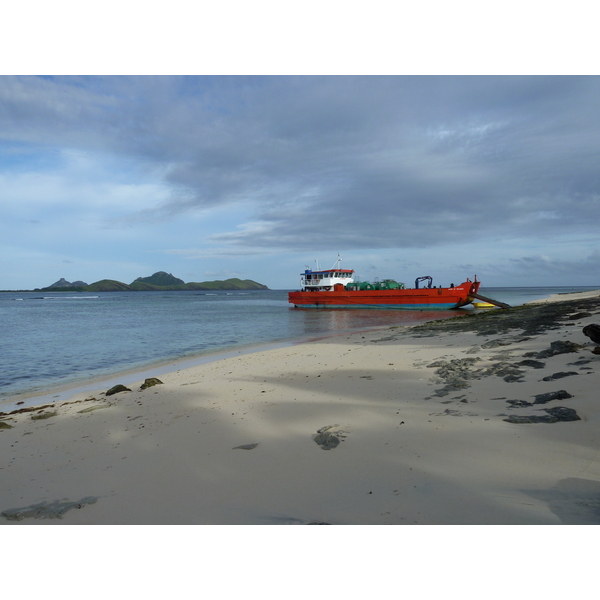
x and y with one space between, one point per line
341 162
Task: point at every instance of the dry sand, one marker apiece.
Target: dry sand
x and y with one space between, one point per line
412 424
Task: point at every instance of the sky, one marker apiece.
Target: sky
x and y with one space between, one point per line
257 176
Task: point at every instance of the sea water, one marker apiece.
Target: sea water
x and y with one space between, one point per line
49 340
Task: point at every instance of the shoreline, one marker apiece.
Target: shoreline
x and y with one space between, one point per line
57 393
562 296
127 376
395 425
43 393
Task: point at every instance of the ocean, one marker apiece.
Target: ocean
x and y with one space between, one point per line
54 340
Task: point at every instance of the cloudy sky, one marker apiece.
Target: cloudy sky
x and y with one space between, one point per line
211 177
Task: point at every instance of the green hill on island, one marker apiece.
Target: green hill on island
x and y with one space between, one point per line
160 281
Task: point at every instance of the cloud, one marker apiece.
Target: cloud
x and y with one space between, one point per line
261 165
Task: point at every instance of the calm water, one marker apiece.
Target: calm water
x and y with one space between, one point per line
56 339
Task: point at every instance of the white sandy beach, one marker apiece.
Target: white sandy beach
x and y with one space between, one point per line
233 441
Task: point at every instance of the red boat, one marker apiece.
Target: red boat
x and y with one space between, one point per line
336 288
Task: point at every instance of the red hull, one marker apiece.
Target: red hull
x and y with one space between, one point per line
416 299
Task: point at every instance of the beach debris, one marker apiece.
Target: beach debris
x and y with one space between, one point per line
519 403
450 412
328 439
496 344
246 447
454 373
43 415
559 413
287 520
384 339
45 510
451 367
593 332
116 389
558 347
92 408
528 320
457 373
27 409
149 382
559 375
543 398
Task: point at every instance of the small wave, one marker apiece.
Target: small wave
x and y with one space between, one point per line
69 297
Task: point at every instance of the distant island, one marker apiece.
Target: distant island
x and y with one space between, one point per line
159 282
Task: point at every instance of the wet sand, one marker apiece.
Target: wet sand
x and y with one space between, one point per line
490 418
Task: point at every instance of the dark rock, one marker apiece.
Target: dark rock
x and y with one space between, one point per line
559 375
246 447
519 419
455 384
543 398
455 374
558 347
559 413
510 373
580 315
583 361
150 382
328 439
512 378
45 510
563 414
535 364
455 366
593 332
519 403
116 389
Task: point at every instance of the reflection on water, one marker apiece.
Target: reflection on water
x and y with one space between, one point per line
323 321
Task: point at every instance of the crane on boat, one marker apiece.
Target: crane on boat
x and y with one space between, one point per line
424 278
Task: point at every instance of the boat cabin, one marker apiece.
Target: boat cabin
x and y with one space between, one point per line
325 281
